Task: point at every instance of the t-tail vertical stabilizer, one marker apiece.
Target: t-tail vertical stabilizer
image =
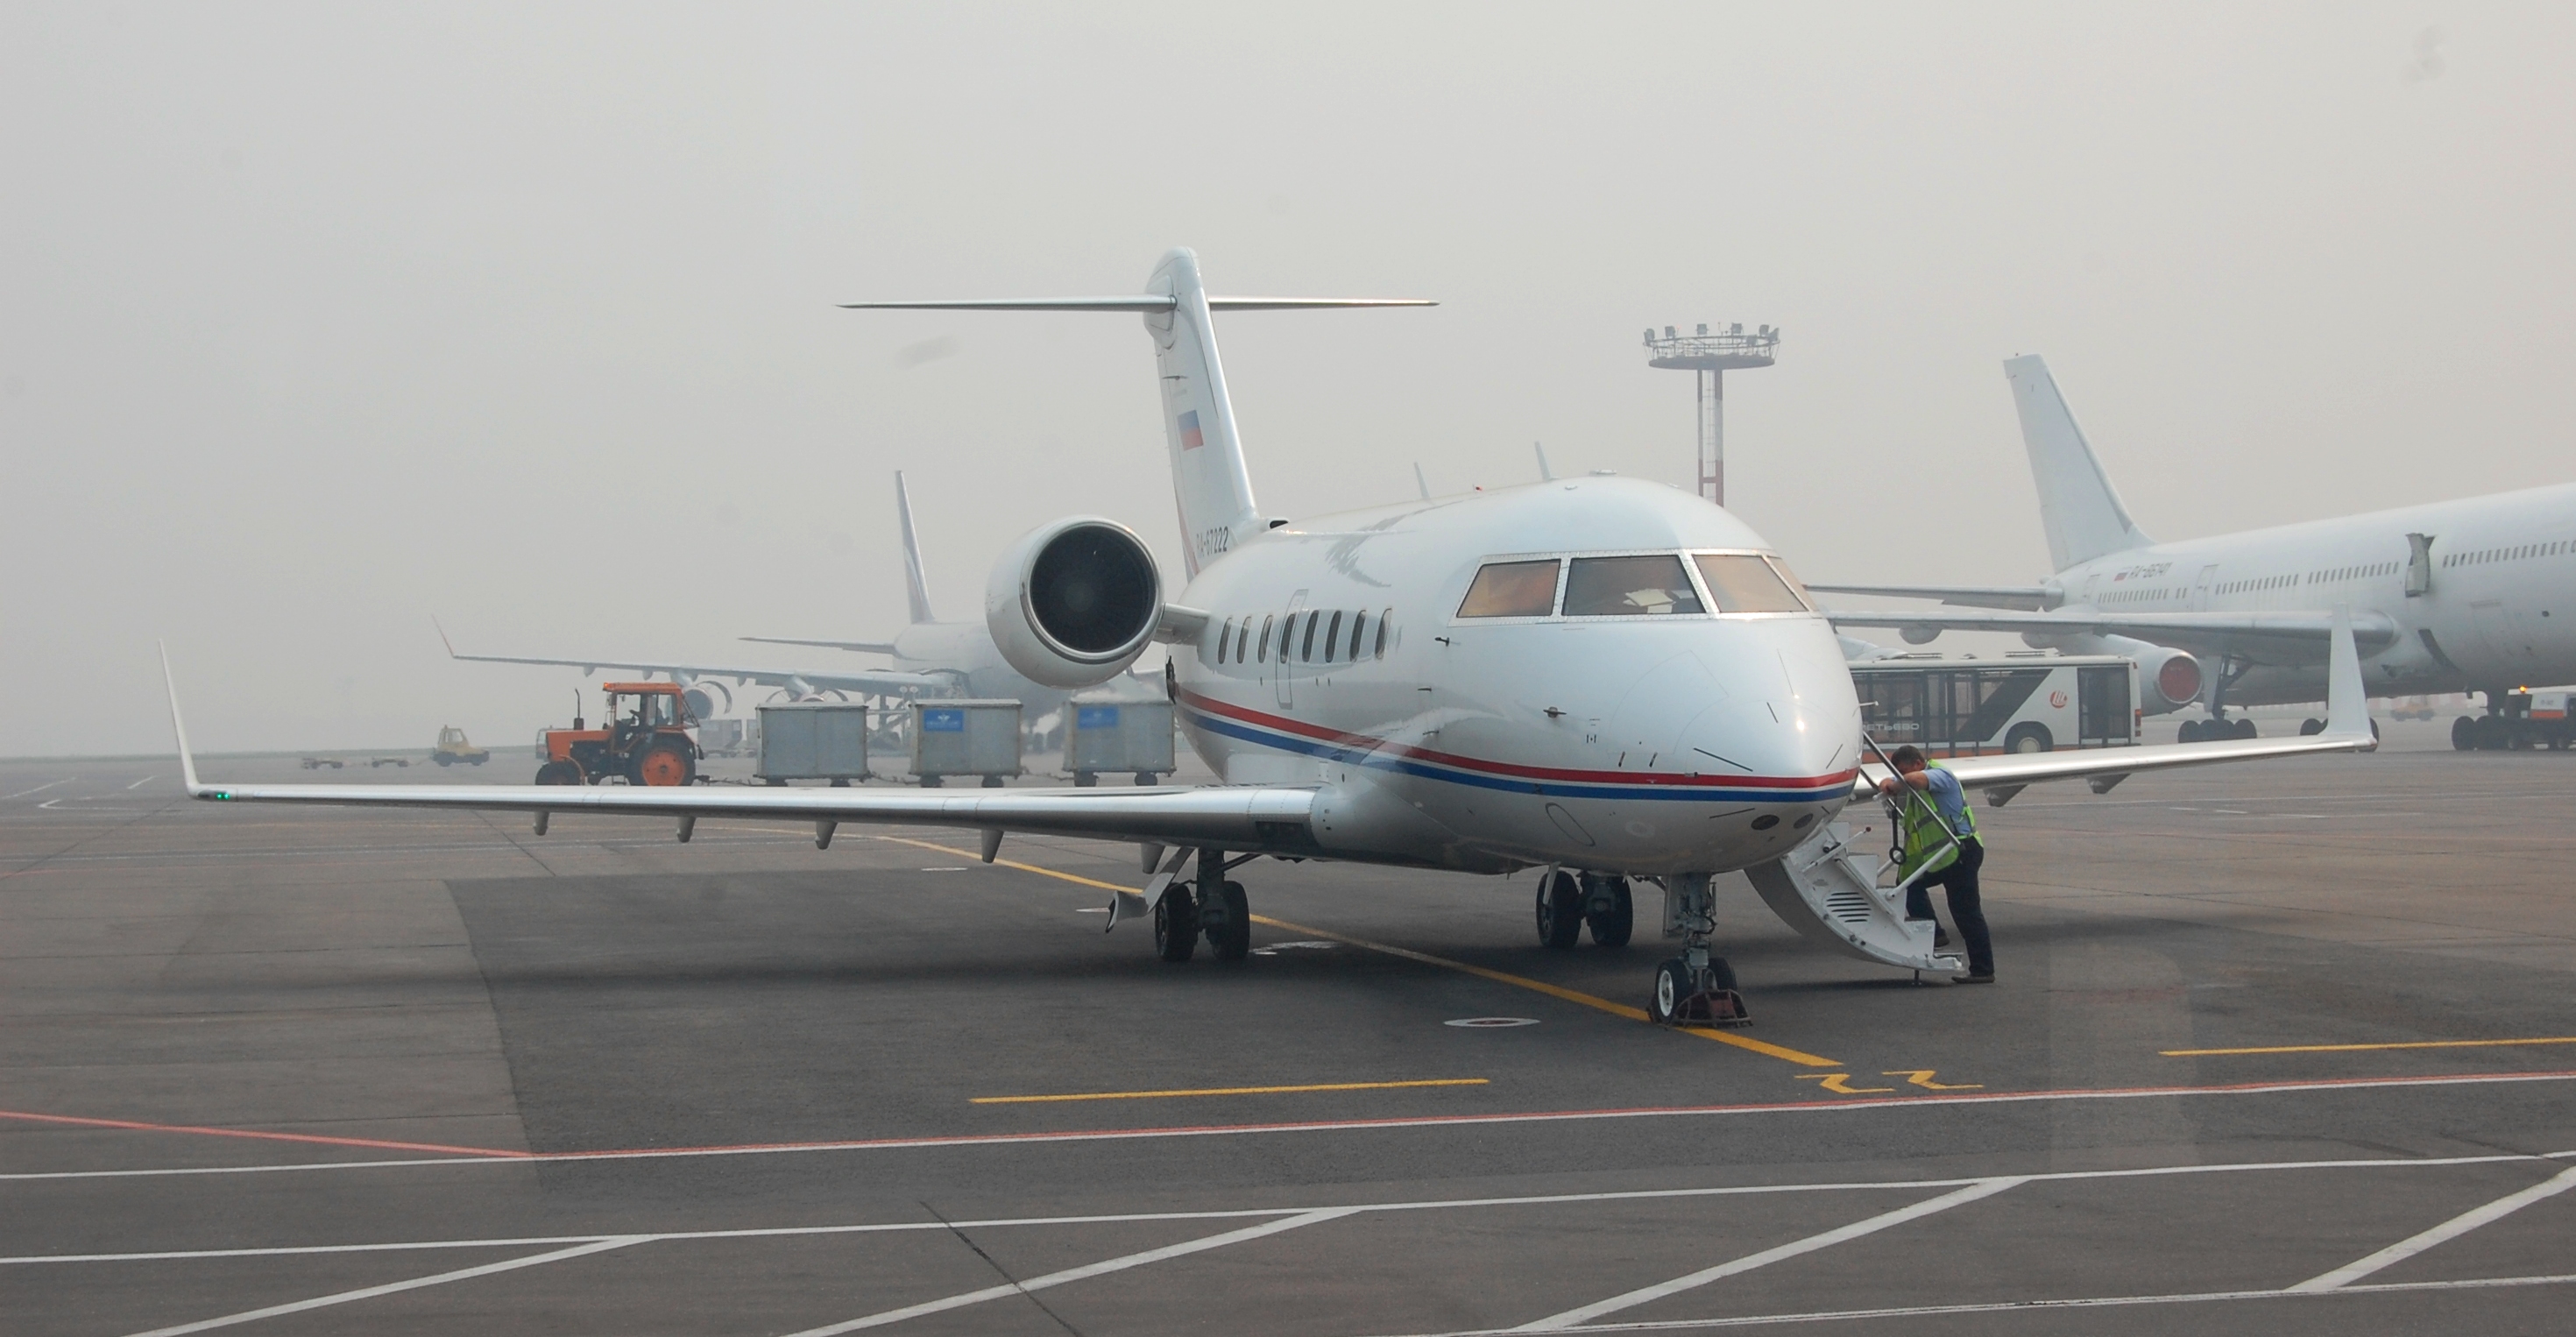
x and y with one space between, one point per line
1209 480
2077 504
915 585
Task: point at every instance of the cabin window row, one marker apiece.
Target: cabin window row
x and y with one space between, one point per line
2264 583
1307 636
2484 555
1635 585
2352 573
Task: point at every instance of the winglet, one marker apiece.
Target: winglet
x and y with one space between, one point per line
442 637
2347 699
187 761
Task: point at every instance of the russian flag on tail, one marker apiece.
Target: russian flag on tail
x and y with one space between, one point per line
1190 438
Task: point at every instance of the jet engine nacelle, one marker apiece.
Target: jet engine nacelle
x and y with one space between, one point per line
1074 602
2168 679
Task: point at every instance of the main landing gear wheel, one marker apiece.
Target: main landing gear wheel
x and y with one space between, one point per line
1609 910
1227 924
559 773
2188 733
1560 910
1176 925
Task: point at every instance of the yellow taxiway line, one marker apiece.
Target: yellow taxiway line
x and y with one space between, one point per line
2352 1049
1228 1091
1595 1002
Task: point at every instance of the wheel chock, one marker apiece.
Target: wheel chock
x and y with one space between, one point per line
1712 1008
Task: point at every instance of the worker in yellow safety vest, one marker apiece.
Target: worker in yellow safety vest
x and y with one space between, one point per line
1930 799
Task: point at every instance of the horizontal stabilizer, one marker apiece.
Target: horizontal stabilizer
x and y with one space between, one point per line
1144 302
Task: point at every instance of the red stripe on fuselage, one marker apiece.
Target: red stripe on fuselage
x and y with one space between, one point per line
1368 743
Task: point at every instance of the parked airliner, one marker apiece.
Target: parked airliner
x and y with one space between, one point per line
929 657
2447 596
1604 678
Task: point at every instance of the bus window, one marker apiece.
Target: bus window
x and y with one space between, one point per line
1512 589
1628 587
1744 583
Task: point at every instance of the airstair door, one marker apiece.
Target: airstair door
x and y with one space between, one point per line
1829 892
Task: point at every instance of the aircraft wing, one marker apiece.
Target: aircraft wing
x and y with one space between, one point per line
2348 729
864 647
2271 638
2032 598
871 682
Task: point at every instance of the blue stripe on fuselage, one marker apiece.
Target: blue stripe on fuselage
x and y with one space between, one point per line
1551 789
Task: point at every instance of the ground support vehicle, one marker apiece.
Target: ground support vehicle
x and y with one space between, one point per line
959 738
317 763
1117 734
2524 718
453 748
2020 703
374 762
644 740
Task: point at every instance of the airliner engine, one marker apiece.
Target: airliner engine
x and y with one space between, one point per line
2168 679
1074 602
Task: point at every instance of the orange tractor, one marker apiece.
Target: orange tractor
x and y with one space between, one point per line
645 740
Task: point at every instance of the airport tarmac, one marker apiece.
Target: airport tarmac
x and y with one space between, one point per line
2285 1047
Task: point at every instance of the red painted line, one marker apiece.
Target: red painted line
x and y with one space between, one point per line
255 1134
1368 743
489 1156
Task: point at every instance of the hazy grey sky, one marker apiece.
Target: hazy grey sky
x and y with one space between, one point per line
319 320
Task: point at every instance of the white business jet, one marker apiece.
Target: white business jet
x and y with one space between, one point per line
1605 678
2448 596
929 657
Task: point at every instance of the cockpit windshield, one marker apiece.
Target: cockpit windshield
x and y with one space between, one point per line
1512 589
1629 587
1746 583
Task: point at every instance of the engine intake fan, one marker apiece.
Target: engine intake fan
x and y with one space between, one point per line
1074 602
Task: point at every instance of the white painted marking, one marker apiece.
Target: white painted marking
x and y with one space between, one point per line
395 1287
1419 1205
2022 1306
2327 1086
2448 1230
1481 1023
1985 1188
37 790
1085 1272
1091 909
952 868
142 782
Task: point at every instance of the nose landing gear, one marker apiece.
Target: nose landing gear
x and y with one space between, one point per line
1696 988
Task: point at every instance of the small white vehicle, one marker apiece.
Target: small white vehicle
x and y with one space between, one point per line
2020 703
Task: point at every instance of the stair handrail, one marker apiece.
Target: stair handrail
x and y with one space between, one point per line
1896 814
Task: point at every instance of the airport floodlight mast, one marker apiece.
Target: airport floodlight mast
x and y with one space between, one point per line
1712 356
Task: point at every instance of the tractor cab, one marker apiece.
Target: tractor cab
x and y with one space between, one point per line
643 739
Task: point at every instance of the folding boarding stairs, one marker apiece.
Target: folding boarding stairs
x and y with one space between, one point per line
1829 891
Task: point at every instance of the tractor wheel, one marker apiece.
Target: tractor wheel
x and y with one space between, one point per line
559 773
662 765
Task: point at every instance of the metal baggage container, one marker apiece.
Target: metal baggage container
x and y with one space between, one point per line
965 738
1111 734
813 740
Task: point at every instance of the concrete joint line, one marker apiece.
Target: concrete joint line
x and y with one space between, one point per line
1082 1273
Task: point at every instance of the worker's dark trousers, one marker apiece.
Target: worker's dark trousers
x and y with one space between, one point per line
1960 880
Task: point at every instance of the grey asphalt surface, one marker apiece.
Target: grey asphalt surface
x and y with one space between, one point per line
436 1028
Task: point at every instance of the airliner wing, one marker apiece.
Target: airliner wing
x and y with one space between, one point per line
2029 597
864 647
2271 638
2348 729
872 682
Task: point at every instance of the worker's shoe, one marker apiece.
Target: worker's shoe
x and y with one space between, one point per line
1974 977
1940 938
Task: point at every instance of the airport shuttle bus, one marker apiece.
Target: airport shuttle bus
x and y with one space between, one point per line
2020 703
